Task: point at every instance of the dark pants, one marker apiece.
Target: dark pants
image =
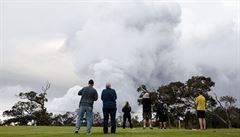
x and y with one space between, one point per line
125 117
112 113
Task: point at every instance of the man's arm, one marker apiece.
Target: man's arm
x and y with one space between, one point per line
80 92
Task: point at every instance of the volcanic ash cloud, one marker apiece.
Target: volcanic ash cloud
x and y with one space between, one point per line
127 44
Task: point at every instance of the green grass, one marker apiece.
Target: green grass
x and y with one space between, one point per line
51 131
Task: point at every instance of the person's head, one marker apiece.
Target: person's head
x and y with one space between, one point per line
108 85
200 92
126 104
146 95
91 82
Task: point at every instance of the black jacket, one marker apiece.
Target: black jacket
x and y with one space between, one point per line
126 111
147 105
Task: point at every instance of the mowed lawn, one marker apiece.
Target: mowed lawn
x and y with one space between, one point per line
52 131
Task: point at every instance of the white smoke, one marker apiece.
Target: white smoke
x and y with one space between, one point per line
127 45
209 45
69 102
135 43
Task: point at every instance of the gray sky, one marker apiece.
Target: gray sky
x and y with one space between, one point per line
126 43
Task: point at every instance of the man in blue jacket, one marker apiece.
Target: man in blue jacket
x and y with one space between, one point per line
89 95
109 97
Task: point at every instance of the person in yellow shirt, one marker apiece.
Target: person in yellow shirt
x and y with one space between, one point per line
201 108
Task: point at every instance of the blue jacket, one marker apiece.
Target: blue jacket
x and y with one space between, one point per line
109 97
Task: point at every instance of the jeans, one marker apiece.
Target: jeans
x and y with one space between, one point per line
82 110
112 113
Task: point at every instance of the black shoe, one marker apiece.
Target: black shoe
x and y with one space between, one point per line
76 132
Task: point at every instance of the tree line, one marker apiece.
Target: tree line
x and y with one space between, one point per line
180 99
178 96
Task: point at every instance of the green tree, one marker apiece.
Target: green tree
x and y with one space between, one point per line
22 113
136 122
31 108
199 83
227 112
66 119
180 96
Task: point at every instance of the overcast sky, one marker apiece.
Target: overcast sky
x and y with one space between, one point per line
127 43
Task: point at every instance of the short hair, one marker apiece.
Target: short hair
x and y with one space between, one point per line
91 82
108 85
200 92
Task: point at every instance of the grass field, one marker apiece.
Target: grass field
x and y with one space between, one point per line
29 131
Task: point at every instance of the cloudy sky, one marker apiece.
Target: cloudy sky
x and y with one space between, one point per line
127 43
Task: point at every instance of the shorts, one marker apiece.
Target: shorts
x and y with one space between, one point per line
147 115
201 114
162 117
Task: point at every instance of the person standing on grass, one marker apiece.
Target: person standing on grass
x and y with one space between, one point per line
162 115
89 95
109 97
147 110
201 108
127 115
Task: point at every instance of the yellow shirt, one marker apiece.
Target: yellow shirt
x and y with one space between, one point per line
201 102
